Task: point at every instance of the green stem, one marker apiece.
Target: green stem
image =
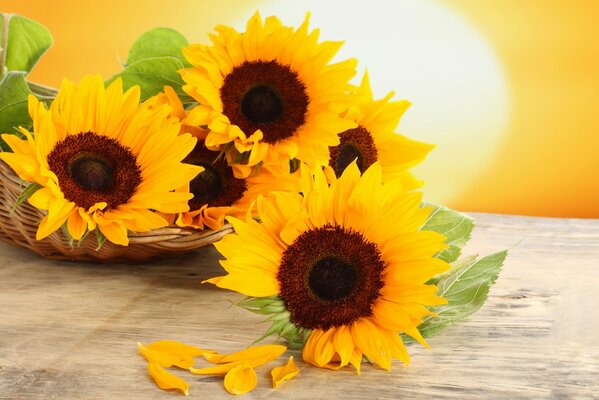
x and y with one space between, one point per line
42 90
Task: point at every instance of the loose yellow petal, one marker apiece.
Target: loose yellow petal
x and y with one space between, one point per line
166 380
177 348
254 358
284 373
271 351
165 359
241 379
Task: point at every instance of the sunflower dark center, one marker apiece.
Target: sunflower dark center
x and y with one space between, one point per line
332 279
348 153
208 185
92 173
330 276
261 104
215 186
93 168
355 144
265 95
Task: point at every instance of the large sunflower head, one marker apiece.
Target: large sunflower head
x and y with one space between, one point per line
270 92
374 139
102 161
345 265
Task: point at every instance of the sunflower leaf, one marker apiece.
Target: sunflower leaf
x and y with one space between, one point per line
152 75
158 42
456 265
13 104
23 42
465 290
455 226
26 194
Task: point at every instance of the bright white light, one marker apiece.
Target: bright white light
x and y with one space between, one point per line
431 55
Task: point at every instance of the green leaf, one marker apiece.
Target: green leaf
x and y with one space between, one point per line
14 92
158 42
456 227
13 104
456 265
26 194
465 290
23 42
152 75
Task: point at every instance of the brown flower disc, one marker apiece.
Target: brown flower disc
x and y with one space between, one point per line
215 186
92 168
265 95
330 276
354 144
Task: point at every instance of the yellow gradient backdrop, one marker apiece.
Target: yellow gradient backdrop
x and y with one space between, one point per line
547 159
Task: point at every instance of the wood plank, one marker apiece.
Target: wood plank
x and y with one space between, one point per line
69 330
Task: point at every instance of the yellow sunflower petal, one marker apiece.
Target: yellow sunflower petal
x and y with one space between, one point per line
23 165
269 351
76 225
254 283
58 212
166 359
115 231
166 380
344 344
369 342
284 373
41 199
319 349
177 348
241 379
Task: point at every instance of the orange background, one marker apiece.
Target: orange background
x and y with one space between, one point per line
547 162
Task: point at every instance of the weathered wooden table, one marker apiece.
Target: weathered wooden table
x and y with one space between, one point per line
69 330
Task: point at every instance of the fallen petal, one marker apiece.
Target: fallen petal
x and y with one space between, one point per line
284 373
270 350
177 348
222 369
241 379
166 380
165 360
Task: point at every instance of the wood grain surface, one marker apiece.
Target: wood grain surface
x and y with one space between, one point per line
69 330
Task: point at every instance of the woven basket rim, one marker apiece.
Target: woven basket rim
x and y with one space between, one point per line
19 228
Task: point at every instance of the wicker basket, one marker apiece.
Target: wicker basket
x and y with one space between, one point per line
20 226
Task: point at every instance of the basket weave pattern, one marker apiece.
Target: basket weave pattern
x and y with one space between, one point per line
20 226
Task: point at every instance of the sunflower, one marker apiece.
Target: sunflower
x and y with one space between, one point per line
216 191
102 161
346 265
269 94
374 139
